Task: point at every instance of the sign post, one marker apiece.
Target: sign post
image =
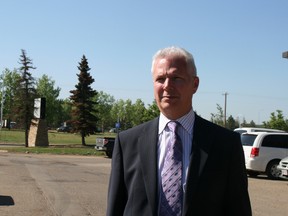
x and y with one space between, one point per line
117 126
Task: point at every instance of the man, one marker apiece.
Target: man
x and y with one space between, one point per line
212 176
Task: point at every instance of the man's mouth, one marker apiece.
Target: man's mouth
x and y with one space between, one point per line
168 97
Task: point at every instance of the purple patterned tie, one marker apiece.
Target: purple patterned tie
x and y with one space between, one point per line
171 191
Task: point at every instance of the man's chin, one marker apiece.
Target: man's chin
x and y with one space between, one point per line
169 105
166 100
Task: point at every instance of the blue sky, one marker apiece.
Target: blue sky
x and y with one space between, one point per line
237 46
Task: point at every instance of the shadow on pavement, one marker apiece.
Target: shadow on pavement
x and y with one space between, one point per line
6 201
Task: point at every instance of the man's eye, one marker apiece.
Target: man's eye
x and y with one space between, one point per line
160 80
176 78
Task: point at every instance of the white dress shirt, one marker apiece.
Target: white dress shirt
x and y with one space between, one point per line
186 134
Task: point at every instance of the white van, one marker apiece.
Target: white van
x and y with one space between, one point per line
263 152
254 129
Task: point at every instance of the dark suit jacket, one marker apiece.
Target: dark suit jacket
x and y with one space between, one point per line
216 181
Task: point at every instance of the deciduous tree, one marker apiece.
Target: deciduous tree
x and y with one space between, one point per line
151 112
9 86
138 112
46 88
104 105
218 117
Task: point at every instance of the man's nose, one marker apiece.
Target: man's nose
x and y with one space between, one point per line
168 83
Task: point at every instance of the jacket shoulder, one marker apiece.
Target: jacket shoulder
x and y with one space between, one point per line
146 126
203 125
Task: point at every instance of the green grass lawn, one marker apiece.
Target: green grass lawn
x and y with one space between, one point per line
59 143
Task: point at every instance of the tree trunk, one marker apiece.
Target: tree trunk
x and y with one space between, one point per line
26 137
83 139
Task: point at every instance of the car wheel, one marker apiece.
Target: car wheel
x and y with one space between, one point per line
252 173
272 171
109 154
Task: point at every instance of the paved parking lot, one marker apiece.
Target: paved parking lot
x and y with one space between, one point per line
268 197
53 185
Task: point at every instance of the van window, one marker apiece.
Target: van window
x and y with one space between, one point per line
276 141
264 130
248 139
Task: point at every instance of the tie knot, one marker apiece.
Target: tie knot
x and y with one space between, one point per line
172 125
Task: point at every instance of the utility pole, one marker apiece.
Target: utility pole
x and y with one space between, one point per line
225 107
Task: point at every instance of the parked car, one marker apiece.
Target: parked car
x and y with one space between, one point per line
263 152
64 129
105 144
283 167
12 124
113 130
254 129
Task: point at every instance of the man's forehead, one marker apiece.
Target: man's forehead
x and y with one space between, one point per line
172 62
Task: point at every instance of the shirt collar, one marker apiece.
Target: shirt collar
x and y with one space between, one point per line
187 121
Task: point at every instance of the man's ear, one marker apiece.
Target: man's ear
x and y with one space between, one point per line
195 84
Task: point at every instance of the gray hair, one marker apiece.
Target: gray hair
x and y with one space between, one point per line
176 51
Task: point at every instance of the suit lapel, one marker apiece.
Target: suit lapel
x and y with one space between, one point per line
199 155
148 155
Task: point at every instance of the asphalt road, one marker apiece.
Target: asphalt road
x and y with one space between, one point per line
53 185
49 185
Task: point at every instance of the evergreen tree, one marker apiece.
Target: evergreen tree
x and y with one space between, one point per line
25 94
231 123
277 121
84 118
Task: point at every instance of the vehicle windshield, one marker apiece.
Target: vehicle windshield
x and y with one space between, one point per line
248 139
241 131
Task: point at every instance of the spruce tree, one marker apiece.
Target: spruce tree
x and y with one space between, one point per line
84 118
25 94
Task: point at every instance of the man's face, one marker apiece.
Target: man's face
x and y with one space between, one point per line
174 86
